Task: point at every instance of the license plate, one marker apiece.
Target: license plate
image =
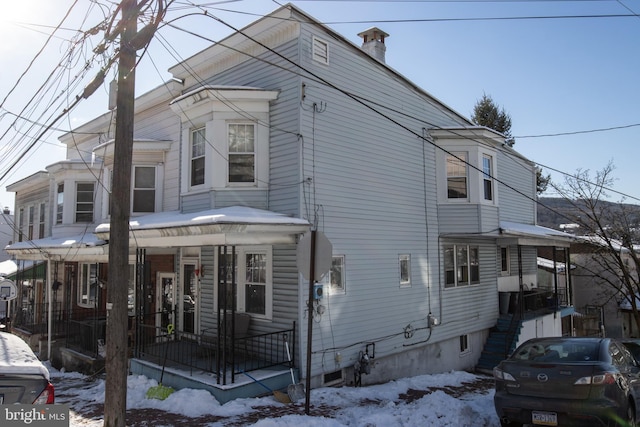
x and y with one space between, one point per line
544 418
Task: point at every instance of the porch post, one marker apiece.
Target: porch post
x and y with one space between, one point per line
521 283
49 284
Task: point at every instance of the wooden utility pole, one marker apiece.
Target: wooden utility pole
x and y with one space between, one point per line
115 404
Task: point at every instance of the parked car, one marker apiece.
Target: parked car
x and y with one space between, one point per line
633 345
568 381
23 377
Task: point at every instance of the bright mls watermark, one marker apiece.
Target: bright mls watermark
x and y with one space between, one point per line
34 415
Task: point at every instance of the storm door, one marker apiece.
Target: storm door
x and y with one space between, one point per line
165 300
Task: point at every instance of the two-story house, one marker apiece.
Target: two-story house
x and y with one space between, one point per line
285 127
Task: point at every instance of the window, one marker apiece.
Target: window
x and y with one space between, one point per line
197 156
405 270
84 202
59 203
320 51
504 260
336 276
144 189
241 152
30 222
487 177
461 265
457 176
464 344
42 221
88 285
251 267
20 224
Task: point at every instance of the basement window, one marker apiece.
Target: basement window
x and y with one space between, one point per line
332 378
464 344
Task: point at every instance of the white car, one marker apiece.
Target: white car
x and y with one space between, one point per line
23 377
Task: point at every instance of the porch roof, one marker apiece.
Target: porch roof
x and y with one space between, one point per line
85 246
534 235
236 225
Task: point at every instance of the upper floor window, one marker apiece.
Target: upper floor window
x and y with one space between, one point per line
457 176
198 144
30 222
84 201
59 203
144 189
42 218
487 177
320 51
242 158
461 265
20 224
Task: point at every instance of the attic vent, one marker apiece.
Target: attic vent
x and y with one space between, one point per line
320 51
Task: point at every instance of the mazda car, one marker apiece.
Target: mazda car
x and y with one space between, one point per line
568 381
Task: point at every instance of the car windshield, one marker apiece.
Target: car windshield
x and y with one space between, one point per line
558 351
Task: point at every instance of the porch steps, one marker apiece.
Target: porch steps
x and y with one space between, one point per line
496 347
274 379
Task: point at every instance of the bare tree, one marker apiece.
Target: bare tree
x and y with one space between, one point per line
610 230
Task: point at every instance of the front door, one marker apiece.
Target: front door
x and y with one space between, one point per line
189 301
165 300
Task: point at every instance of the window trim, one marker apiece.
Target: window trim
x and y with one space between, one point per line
200 156
459 273
60 203
465 344
242 153
42 216
135 189
460 159
404 259
338 265
505 260
80 214
487 178
85 285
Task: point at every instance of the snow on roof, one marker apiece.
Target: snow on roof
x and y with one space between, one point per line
230 215
601 241
8 267
548 264
507 227
16 357
76 241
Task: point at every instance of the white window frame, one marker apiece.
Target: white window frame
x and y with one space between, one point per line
465 344
454 164
320 50
251 152
243 280
197 152
461 276
488 193
41 220
88 277
20 224
135 189
60 203
335 279
404 265
30 222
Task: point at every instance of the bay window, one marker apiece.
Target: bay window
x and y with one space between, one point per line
457 176
241 153
198 145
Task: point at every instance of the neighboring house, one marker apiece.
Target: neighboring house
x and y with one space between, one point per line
282 128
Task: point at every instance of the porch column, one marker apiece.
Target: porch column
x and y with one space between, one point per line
521 283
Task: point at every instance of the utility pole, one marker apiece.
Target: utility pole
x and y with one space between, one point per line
115 404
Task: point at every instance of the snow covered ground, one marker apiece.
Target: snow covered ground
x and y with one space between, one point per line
455 399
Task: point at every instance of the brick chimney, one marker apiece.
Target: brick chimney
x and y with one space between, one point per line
373 42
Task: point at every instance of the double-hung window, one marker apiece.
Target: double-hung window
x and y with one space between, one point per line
20 224
487 177
405 270
84 201
242 155
461 265
144 189
198 145
41 223
30 223
59 203
457 176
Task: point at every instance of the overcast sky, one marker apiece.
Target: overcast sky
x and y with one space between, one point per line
571 83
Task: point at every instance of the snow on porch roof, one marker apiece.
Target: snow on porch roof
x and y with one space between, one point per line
66 246
230 225
534 232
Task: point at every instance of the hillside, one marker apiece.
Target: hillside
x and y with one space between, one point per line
553 211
